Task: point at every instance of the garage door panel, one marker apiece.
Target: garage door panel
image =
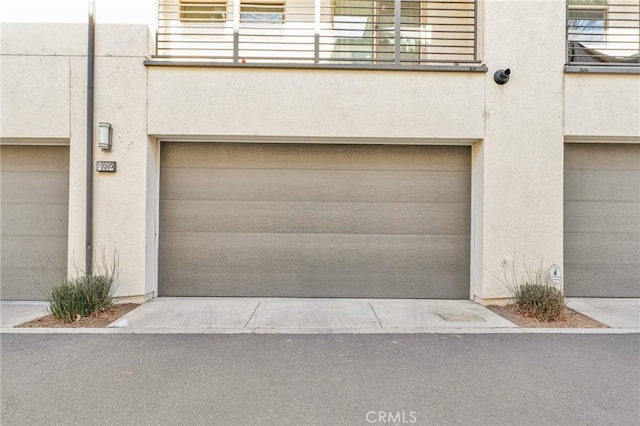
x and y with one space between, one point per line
602 248
262 250
602 157
34 194
28 282
23 219
313 217
34 158
602 220
597 185
233 259
27 260
357 285
596 280
41 250
589 216
314 185
35 187
314 156
314 221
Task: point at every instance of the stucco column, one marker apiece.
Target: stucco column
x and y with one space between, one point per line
121 219
518 167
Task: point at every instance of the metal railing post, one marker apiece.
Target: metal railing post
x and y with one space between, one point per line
316 34
475 30
397 8
236 31
158 20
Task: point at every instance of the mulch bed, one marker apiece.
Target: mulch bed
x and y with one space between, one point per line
102 319
572 319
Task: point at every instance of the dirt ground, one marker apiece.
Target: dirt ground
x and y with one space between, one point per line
572 319
102 319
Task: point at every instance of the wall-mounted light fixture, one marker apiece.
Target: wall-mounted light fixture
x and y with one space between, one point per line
105 136
502 76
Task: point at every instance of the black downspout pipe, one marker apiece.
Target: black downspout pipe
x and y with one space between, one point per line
89 192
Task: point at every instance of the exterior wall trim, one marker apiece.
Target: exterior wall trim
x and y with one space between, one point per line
140 298
500 301
35 141
315 140
202 64
589 69
602 139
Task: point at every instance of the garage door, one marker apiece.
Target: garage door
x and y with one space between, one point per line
602 220
34 186
302 220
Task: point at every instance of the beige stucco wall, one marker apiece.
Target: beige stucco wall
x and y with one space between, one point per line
123 41
519 164
120 198
37 106
517 130
602 106
315 103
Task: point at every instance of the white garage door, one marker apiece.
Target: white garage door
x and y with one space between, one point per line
302 220
34 182
602 220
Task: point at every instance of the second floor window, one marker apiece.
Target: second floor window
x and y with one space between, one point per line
603 32
367 29
586 21
268 12
203 11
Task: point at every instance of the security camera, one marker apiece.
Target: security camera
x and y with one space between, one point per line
502 76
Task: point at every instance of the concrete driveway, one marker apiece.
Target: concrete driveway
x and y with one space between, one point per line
16 313
246 315
616 313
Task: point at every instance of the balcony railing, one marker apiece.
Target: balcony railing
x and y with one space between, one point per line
353 32
603 32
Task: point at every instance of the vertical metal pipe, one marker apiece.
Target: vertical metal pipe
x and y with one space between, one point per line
566 32
316 31
397 9
89 165
158 21
236 31
475 30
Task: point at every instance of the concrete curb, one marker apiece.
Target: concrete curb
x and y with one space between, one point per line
506 330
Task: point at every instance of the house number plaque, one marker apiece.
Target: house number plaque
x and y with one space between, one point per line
106 166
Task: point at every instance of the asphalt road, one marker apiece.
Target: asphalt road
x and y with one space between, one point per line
473 379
